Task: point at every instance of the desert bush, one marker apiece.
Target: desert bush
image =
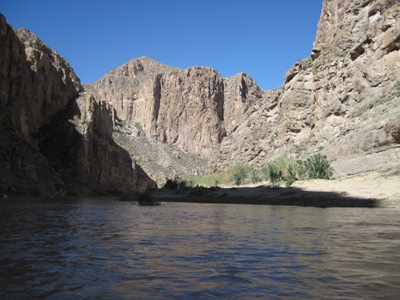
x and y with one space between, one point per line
291 174
265 172
239 176
225 176
255 176
274 173
289 170
284 169
318 167
301 168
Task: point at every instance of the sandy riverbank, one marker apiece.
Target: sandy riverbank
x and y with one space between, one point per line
371 190
370 186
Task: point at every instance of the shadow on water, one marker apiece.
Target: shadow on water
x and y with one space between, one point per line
263 195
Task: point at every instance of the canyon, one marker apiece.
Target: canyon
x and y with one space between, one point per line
144 122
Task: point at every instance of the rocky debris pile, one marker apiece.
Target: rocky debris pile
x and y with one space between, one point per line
160 160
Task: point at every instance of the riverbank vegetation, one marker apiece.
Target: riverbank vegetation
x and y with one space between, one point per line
284 170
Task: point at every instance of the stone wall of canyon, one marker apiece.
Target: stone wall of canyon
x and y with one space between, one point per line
343 100
192 109
54 142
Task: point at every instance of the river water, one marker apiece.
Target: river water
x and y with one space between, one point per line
103 248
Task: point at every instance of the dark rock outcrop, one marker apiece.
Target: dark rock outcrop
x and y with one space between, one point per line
52 142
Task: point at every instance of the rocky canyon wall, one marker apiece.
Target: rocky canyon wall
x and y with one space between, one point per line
191 109
342 100
52 142
148 118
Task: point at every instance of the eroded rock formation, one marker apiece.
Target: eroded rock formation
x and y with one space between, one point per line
343 100
53 143
192 110
189 109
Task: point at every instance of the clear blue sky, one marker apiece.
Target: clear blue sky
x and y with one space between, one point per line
263 38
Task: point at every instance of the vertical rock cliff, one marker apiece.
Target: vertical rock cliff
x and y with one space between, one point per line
183 108
191 110
343 100
52 141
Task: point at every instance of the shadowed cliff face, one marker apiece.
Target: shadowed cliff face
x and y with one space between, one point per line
25 102
52 143
78 142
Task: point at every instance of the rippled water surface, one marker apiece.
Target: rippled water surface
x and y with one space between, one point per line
96 248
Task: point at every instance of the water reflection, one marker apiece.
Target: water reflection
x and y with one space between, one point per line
109 249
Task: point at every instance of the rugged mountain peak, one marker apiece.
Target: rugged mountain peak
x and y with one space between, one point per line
188 108
191 110
41 56
142 67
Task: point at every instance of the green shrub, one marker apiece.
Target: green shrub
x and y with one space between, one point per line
318 167
221 177
255 176
274 173
182 184
291 175
289 170
264 170
285 169
239 176
302 172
